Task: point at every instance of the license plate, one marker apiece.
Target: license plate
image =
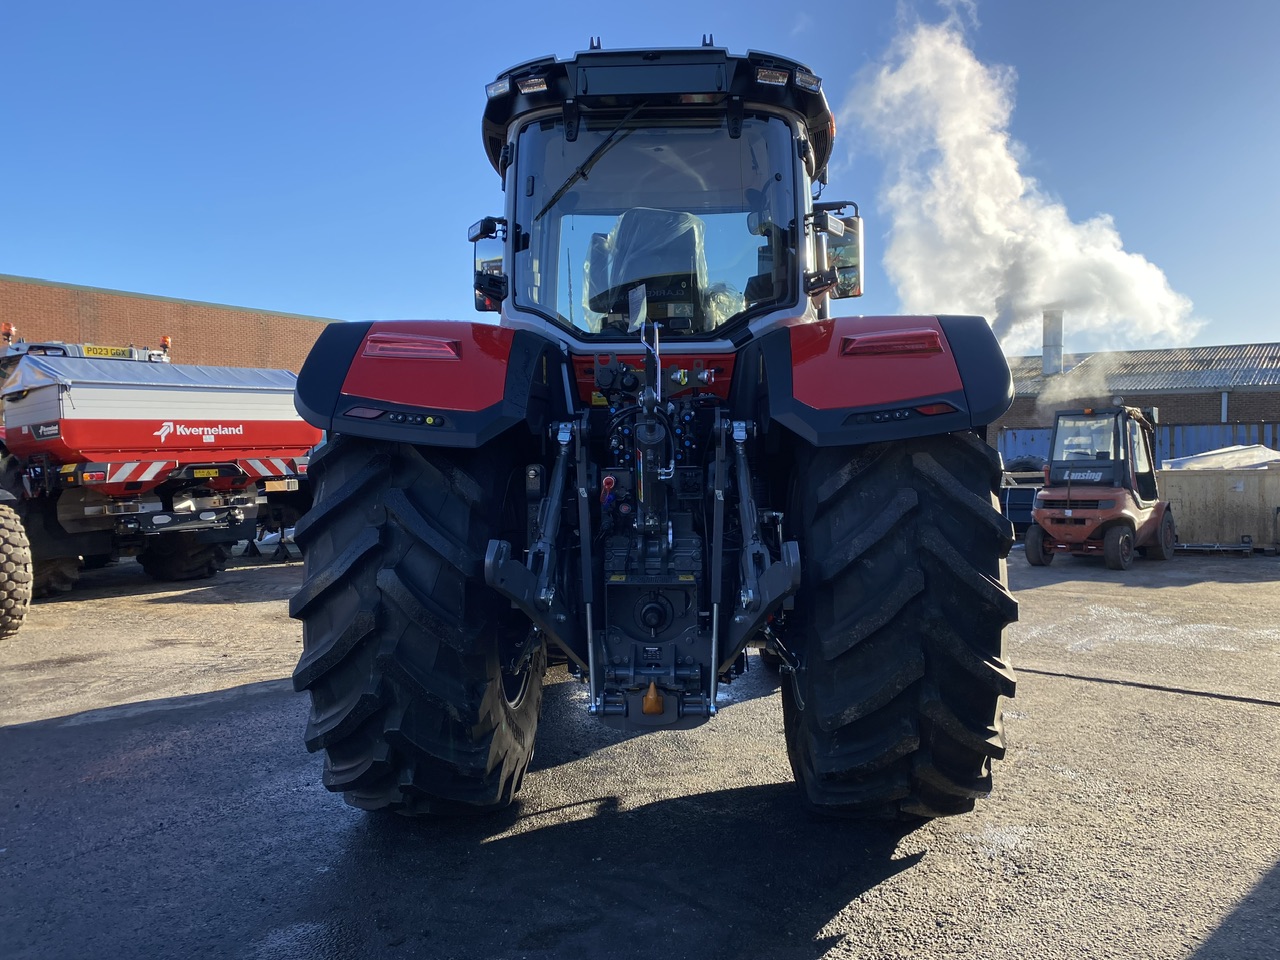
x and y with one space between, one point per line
203 472
108 353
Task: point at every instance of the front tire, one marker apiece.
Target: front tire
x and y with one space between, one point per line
896 709
1038 555
420 697
1117 547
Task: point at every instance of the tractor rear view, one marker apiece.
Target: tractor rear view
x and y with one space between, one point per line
665 452
1100 496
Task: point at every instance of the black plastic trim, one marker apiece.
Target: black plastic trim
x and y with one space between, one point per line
984 371
323 372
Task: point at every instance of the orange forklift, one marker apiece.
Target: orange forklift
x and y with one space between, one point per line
1100 494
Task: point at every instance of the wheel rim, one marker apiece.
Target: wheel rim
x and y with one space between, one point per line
516 676
1126 548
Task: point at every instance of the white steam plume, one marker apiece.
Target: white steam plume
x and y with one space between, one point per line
970 233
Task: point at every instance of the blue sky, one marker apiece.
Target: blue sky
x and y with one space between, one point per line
324 158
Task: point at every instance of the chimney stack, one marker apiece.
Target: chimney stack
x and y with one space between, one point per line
1051 355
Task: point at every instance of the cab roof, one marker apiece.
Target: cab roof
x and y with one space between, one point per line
600 79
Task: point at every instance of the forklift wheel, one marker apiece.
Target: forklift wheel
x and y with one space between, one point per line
1038 555
1117 547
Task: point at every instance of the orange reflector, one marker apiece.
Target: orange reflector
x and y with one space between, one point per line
893 343
652 700
412 346
933 409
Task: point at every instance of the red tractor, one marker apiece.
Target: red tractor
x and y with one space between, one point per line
664 452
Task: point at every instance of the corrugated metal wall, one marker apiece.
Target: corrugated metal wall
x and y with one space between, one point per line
1172 440
1176 440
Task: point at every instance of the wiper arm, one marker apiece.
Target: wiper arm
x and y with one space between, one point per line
592 158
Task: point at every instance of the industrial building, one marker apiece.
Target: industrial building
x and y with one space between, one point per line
1208 397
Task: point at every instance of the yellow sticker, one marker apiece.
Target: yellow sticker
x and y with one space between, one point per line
598 399
68 468
616 577
205 472
109 353
685 577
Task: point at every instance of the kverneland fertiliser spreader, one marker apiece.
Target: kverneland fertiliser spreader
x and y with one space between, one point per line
112 451
664 452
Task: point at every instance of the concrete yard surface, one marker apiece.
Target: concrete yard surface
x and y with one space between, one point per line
156 800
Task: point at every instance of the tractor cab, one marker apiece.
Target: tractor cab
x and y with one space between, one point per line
681 180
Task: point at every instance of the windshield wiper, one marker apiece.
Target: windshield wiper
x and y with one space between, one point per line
592 158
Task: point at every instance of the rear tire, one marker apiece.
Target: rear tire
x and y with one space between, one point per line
900 619
180 556
1117 547
1037 554
406 651
15 572
1166 540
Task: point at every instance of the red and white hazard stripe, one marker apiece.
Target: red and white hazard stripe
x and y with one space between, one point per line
137 470
268 467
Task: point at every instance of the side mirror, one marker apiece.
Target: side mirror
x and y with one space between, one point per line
491 284
844 255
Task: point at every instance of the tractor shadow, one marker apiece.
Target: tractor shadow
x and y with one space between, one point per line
723 874
740 872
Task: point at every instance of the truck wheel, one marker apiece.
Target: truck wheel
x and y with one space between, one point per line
1117 547
15 572
425 693
895 710
180 556
1038 555
1165 542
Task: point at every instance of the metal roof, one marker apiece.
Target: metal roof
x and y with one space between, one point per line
34 371
1176 370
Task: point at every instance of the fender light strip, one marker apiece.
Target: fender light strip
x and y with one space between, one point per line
412 346
896 343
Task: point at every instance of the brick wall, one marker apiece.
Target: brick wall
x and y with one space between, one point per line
205 333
